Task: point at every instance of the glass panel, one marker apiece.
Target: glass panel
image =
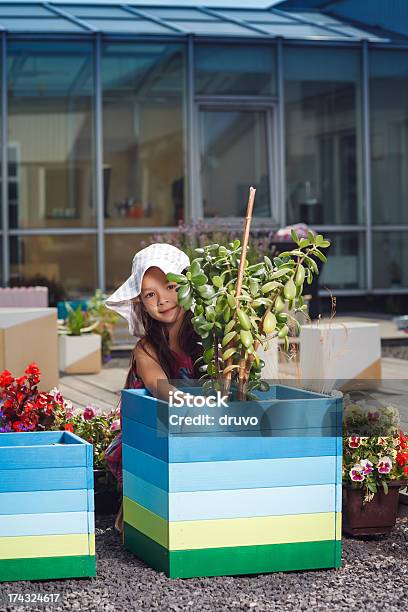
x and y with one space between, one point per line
255 16
323 136
95 11
345 266
233 156
43 24
389 135
317 17
34 10
132 24
235 70
299 30
221 28
119 252
390 257
69 261
51 136
143 86
177 13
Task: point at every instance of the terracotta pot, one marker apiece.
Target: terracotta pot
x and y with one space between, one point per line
376 517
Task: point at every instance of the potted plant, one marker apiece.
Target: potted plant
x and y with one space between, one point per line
239 307
79 347
247 486
46 515
375 467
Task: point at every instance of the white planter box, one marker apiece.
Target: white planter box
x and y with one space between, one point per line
80 354
340 352
26 335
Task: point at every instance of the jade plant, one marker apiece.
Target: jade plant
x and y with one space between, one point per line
238 307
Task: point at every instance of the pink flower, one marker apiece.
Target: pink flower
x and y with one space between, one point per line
354 442
384 465
89 413
357 473
115 425
367 466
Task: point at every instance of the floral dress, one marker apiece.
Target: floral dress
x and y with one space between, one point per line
182 369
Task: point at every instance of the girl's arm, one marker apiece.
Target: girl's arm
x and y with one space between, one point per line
149 370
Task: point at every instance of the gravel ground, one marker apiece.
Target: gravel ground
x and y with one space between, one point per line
374 575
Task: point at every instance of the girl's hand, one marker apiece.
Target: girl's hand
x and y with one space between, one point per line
151 373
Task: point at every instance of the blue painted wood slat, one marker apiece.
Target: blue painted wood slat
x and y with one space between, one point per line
58 523
34 457
225 448
46 479
212 475
208 505
35 502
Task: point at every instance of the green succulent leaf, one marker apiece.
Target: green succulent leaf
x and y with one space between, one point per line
228 337
199 279
180 279
228 353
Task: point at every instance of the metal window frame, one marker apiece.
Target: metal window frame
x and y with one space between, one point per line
366 146
268 105
98 169
191 139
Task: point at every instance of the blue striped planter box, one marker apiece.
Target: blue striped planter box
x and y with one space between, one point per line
235 499
47 526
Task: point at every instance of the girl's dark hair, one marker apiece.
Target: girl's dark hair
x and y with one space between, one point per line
157 337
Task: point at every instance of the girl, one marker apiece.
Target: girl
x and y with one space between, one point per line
166 343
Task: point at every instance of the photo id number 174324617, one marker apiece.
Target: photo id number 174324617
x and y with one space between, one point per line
21 599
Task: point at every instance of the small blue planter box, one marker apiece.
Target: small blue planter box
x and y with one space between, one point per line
230 497
46 506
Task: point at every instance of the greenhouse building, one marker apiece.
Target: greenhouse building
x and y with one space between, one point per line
120 120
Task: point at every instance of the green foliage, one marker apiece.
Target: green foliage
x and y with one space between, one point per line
76 320
233 327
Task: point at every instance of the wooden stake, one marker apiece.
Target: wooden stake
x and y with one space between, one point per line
241 268
245 237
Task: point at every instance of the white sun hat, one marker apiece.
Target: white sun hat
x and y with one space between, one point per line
164 256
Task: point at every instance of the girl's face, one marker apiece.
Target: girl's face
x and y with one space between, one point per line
159 296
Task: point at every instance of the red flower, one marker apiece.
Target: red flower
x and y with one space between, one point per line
403 440
42 400
69 427
21 381
6 379
32 369
402 459
17 426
